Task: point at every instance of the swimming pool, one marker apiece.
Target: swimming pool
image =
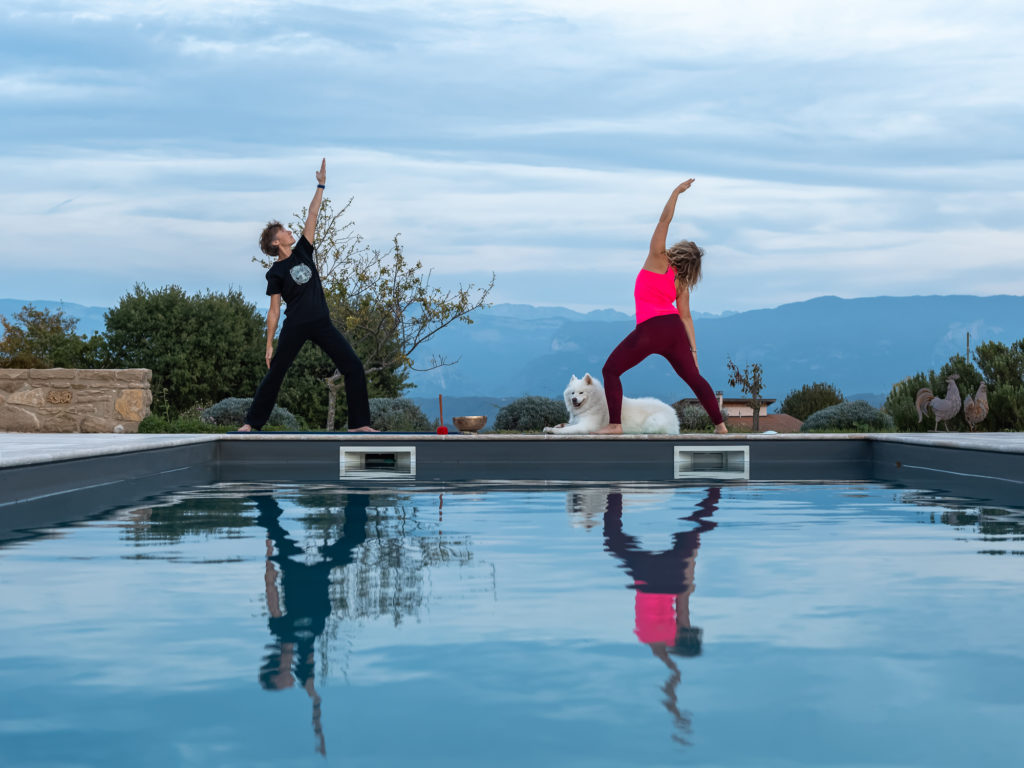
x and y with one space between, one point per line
752 623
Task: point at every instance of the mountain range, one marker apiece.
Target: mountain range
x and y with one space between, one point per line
863 346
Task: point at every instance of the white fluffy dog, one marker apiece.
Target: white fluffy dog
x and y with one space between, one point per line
588 412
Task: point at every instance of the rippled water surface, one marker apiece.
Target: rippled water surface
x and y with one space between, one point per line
761 625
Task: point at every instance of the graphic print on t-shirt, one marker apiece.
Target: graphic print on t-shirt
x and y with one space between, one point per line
300 273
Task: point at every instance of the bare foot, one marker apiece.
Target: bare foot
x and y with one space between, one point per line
721 430
244 428
611 429
364 429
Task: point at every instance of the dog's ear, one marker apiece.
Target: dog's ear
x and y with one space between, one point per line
588 379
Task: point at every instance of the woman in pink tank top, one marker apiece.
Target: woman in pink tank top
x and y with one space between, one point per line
664 325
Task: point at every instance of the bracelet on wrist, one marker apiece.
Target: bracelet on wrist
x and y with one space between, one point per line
320 186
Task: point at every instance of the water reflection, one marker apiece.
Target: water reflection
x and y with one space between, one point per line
299 607
333 558
1000 530
662 583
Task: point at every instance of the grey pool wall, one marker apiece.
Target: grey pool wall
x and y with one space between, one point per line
53 479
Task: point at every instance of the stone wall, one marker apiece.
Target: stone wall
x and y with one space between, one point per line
70 400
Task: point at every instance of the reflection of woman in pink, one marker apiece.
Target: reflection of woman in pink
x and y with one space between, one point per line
663 582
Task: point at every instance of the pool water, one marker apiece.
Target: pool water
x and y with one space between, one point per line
751 624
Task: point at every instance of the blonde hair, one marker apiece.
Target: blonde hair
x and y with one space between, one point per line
685 258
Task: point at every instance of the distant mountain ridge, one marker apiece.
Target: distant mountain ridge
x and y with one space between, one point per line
862 345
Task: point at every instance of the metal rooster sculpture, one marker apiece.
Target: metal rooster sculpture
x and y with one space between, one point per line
976 408
943 408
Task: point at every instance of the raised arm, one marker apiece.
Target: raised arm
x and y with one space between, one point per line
309 231
656 258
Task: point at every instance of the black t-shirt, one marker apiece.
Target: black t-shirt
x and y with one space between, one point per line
298 281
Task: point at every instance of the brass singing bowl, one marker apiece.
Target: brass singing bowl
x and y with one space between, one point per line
469 424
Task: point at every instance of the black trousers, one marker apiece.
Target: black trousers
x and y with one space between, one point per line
327 337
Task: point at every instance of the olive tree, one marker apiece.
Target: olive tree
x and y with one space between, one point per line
750 381
40 338
384 303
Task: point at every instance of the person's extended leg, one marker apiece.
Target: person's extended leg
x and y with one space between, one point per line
288 345
328 338
630 352
677 351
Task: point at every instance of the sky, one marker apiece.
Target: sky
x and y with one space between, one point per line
854 149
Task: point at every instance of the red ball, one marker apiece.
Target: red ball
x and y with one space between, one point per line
442 430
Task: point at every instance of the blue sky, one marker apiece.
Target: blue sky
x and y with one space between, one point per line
854 149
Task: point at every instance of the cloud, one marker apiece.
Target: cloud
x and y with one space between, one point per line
80 85
846 149
294 44
193 218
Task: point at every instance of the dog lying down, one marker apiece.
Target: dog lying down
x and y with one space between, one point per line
588 412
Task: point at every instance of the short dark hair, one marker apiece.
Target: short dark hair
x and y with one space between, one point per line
267 235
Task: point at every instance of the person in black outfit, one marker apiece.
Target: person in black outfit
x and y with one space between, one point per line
664 582
305 587
295 278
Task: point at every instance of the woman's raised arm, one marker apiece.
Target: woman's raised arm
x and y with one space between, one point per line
656 259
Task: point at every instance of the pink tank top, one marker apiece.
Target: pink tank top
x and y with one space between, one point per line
655 294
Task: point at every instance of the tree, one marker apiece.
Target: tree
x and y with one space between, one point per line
383 303
39 338
900 402
810 398
201 348
749 380
1003 369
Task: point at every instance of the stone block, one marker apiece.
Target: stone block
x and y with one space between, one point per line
97 424
59 397
60 422
99 378
33 398
14 419
136 377
133 404
12 383
93 397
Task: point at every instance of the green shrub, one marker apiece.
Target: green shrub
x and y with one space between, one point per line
530 414
900 402
693 418
1006 409
398 414
810 398
230 412
154 424
855 416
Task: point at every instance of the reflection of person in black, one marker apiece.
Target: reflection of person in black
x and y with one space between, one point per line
305 589
663 582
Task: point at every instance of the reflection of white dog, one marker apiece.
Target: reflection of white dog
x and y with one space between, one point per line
588 412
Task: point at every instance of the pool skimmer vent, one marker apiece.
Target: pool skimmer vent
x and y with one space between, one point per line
378 462
711 462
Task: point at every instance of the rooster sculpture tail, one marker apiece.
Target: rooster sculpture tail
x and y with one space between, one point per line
924 396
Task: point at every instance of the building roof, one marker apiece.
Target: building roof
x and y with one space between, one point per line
765 401
782 423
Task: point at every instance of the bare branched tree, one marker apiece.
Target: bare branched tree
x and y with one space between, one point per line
384 303
751 382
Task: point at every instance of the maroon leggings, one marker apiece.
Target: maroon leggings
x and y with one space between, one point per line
663 335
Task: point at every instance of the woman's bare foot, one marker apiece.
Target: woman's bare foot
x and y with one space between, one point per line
364 429
244 428
611 429
721 430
